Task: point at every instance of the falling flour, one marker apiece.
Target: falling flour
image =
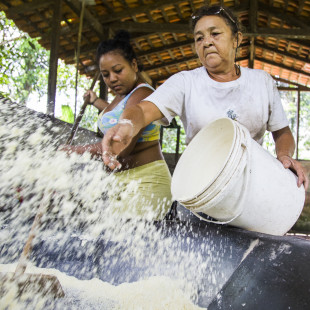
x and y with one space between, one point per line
73 191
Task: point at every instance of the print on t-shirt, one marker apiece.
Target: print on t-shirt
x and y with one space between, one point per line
232 115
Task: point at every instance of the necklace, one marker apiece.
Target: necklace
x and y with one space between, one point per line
235 75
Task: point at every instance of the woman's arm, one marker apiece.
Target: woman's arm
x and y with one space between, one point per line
117 139
285 146
93 149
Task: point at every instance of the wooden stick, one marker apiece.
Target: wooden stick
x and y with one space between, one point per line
22 262
82 111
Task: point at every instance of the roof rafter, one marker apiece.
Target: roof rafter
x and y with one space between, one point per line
76 7
283 16
278 33
280 65
178 61
299 86
279 52
29 7
184 28
137 10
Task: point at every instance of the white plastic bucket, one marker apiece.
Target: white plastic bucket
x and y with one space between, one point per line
225 174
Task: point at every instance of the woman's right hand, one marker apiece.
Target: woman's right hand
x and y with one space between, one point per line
116 140
92 96
295 166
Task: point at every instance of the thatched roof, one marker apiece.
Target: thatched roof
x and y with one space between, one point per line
276 36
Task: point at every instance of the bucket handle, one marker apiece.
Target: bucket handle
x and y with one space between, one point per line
244 190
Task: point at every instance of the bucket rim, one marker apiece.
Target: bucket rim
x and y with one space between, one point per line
229 168
202 190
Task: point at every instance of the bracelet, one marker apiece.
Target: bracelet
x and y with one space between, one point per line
92 103
125 121
289 157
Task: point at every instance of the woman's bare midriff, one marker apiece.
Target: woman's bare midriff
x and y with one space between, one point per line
143 153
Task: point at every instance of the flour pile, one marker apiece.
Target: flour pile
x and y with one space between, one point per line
155 293
103 261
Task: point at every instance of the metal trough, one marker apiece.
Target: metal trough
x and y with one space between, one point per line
253 271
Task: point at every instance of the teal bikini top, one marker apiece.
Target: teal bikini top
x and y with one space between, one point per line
109 119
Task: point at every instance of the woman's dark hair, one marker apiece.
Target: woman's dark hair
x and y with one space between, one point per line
121 44
217 10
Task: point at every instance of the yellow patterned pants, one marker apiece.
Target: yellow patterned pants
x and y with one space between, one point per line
143 192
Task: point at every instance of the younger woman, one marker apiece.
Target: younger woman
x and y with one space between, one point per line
142 183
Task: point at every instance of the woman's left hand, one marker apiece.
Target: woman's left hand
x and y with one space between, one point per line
296 167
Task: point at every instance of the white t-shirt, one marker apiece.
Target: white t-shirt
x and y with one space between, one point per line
252 99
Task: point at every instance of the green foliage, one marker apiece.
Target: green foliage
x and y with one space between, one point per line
90 118
304 125
23 62
170 139
67 114
268 143
24 69
289 101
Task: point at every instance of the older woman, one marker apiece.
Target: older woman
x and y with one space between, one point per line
142 185
219 88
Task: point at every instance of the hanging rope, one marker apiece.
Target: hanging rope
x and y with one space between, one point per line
78 56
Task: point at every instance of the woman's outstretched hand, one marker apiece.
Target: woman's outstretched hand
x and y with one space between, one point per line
66 148
116 140
296 167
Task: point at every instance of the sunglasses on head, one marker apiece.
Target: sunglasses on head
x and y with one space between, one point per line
216 11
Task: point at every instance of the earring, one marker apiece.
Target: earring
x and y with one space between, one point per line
237 67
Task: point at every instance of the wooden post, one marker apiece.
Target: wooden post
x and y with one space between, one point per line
103 89
253 27
52 75
297 123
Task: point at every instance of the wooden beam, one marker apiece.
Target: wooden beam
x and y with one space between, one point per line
146 77
253 15
184 28
151 27
74 28
165 47
108 6
92 21
162 78
282 15
138 10
6 3
280 65
179 44
301 87
252 54
29 7
297 124
303 34
170 63
302 43
155 6
52 75
178 61
92 48
283 88
279 52
253 27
